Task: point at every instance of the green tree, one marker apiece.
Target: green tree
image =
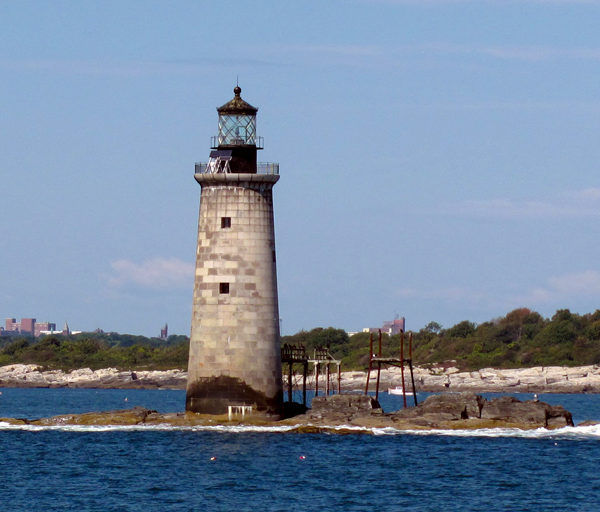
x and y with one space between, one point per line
461 329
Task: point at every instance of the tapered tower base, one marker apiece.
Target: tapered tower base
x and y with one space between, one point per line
234 344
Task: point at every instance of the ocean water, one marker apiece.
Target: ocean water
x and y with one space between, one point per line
251 469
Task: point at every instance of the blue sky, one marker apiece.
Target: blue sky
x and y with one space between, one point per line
439 159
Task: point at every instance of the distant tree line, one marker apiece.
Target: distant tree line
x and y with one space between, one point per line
95 351
522 338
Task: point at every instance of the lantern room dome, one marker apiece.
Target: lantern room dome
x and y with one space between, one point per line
237 105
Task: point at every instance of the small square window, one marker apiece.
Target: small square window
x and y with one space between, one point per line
225 222
223 287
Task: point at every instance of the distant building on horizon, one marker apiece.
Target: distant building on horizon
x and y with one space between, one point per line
395 326
391 327
164 332
31 327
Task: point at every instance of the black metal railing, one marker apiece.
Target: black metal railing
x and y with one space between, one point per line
293 353
212 168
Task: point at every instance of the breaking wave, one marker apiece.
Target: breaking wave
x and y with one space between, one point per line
565 433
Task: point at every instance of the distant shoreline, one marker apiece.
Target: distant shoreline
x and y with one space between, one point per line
547 379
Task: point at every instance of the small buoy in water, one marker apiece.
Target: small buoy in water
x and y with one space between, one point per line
555 444
302 457
126 399
213 458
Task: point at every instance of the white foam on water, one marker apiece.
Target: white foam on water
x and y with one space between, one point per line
145 428
240 428
565 433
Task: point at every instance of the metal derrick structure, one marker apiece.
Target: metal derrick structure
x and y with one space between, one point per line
379 360
292 354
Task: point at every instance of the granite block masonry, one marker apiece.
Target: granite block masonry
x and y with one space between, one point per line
235 340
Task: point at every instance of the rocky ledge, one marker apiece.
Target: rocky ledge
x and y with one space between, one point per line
349 413
32 376
444 411
540 379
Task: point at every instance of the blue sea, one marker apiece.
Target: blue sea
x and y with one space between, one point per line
252 469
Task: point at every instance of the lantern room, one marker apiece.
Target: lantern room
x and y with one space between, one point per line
237 124
237 143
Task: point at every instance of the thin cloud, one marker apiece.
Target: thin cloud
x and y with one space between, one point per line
577 204
330 54
127 68
584 283
157 273
540 53
530 53
426 3
587 194
556 290
336 49
384 55
447 294
564 288
349 54
97 67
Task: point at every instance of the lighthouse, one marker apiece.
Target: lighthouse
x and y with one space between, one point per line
235 357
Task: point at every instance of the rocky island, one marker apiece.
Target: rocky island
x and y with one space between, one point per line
456 407
350 413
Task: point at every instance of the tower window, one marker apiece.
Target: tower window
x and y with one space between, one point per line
223 287
225 222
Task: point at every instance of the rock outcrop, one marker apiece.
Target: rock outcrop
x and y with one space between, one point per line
341 408
471 409
443 411
133 416
351 414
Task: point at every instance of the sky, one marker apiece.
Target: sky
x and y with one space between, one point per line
439 158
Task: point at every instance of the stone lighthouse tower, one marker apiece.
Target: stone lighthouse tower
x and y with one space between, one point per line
234 344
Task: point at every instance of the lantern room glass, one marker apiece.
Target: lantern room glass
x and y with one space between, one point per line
237 129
